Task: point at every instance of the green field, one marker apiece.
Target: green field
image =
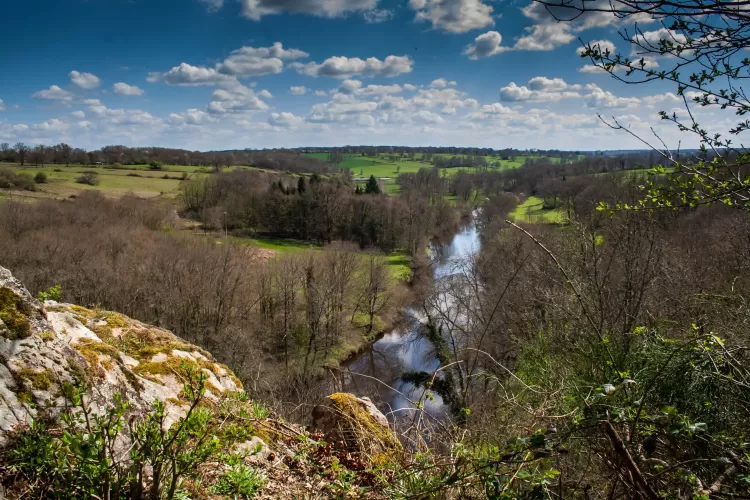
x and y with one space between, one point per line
532 211
61 181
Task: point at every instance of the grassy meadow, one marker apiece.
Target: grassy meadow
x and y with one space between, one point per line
532 211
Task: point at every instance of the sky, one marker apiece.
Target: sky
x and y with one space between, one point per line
226 74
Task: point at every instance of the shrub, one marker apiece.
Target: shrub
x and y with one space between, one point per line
90 178
11 180
57 170
40 178
156 165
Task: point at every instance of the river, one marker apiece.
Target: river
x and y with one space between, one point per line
403 349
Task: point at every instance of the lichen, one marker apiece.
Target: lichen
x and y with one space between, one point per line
39 380
14 315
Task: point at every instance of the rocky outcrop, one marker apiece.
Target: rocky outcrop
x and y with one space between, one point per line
48 349
357 423
45 348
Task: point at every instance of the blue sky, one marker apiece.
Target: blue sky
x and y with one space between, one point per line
220 74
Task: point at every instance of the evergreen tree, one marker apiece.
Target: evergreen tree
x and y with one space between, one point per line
301 185
372 186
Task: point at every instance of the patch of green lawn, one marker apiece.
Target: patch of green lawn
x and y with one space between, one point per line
532 211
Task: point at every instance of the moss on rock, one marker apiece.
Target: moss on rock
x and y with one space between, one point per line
14 322
39 380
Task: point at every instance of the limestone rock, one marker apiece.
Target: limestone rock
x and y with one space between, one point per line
357 422
46 347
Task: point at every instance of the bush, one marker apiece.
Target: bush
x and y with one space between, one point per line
40 178
11 180
156 165
90 178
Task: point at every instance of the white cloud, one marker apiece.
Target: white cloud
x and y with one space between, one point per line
545 37
285 119
124 89
298 90
556 25
122 116
213 5
346 67
668 97
78 114
350 86
442 83
425 116
190 76
599 98
237 99
2 105
92 102
256 9
84 80
192 117
490 112
453 16
53 125
653 39
53 93
243 62
321 93
378 16
601 46
540 89
410 87
485 45
252 61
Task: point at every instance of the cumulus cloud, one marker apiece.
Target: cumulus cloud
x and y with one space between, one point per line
190 76
53 93
346 67
545 37
121 116
321 93
485 45
243 62
78 114
298 90
490 112
237 99
548 33
453 16
599 98
256 9
285 119
442 83
53 125
653 39
602 46
124 89
192 117
540 89
252 61
84 80
378 16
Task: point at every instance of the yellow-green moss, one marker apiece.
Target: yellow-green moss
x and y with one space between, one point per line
25 397
13 315
39 380
170 366
91 349
362 425
47 335
82 311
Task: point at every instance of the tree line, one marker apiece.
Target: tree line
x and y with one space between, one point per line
316 209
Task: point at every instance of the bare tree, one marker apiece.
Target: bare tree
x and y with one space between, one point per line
21 150
702 41
39 154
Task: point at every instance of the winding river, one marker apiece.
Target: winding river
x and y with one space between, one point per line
377 371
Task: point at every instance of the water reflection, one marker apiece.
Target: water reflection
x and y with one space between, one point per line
404 350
